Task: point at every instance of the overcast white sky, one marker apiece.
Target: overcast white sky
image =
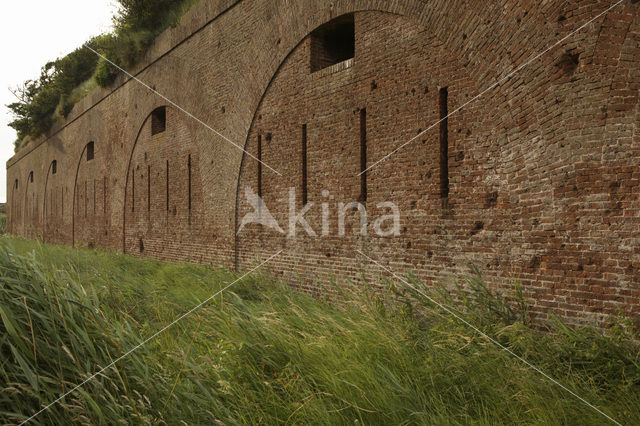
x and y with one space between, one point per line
32 33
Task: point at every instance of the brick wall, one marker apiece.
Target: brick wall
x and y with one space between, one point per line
542 169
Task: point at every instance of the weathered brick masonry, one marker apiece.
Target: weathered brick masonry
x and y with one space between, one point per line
536 181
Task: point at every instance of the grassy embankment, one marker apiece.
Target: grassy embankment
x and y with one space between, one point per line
264 354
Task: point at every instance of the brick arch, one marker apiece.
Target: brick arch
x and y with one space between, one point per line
521 198
73 199
496 60
126 180
52 198
425 107
27 205
14 210
428 15
13 207
30 209
89 220
317 15
162 205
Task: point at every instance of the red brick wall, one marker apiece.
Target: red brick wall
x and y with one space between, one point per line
157 225
543 169
53 205
90 226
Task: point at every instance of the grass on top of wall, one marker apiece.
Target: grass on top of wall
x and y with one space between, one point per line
264 354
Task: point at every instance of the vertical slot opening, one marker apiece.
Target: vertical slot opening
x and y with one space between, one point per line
444 144
189 186
148 189
304 165
260 166
104 196
363 155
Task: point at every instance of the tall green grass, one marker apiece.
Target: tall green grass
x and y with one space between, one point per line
263 354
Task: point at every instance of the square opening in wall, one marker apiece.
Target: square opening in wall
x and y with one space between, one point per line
54 167
90 151
158 120
332 43
31 177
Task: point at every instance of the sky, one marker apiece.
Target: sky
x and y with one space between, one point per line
34 32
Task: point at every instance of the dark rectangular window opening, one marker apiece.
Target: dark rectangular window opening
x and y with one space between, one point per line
260 166
304 165
363 155
332 43
444 144
54 167
16 183
90 151
158 120
31 177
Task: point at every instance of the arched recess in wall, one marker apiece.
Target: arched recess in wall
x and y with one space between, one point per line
14 207
52 205
126 181
373 94
17 219
73 200
162 196
244 160
30 208
88 206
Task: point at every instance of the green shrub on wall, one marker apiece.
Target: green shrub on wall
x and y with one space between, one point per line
40 98
54 93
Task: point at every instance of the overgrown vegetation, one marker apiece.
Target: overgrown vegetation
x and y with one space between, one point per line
66 80
3 223
264 354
